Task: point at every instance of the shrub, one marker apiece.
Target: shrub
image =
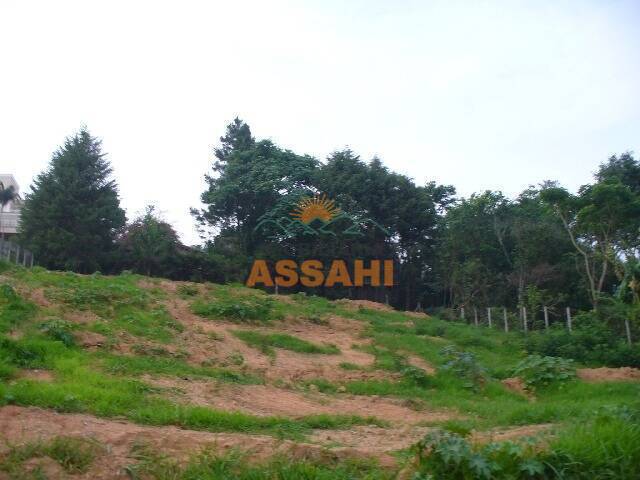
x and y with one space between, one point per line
465 365
445 455
186 290
591 342
59 330
537 371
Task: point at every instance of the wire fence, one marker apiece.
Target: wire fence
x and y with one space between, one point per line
523 320
14 253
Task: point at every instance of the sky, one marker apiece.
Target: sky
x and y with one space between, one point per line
478 94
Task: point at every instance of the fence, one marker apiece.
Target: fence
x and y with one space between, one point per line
523 320
14 253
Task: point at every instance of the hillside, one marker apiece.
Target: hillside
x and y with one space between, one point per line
108 376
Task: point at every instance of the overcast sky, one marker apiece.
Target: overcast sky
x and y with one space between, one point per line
478 94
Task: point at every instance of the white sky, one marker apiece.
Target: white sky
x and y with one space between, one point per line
479 94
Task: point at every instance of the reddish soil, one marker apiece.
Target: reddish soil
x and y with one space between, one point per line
605 374
267 400
517 385
355 304
504 434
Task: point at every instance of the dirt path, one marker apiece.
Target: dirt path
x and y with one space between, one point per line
19 425
200 334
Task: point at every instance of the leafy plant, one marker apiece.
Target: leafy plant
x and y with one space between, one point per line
59 330
537 371
445 455
465 365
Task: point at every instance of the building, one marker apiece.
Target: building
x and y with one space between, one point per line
10 212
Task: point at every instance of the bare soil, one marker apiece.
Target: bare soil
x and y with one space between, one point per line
605 374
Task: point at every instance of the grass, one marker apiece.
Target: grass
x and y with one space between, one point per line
108 385
74 454
234 466
139 365
267 341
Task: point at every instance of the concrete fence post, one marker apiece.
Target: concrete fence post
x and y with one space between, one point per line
506 322
489 316
524 320
475 316
569 318
546 317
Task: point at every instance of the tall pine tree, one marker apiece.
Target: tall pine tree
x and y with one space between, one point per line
71 218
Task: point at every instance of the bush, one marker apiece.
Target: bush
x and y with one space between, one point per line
465 365
608 447
591 342
59 330
537 371
445 455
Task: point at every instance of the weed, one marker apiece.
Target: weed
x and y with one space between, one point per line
465 365
59 330
186 290
537 371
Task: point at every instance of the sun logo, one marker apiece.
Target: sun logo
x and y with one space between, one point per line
320 208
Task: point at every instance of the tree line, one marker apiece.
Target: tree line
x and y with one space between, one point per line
547 246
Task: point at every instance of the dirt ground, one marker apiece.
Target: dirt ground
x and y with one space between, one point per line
605 374
19 425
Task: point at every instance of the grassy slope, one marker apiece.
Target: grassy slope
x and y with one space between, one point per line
105 383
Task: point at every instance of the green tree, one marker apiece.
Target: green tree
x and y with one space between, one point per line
249 177
72 215
150 245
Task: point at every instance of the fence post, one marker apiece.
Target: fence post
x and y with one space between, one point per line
31 261
569 319
628 329
475 316
524 319
506 322
462 313
489 316
546 317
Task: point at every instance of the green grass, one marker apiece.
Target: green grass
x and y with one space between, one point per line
139 365
267 341
234 466
73 454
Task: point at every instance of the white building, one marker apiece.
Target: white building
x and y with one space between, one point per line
10 213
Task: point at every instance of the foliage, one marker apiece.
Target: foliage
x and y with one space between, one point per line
537 371
150 245
445 455
465 365
59 330
71 217
591 342
239 308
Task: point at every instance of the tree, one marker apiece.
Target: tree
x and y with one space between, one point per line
71 218
602 223
150 245
249 179
7 194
